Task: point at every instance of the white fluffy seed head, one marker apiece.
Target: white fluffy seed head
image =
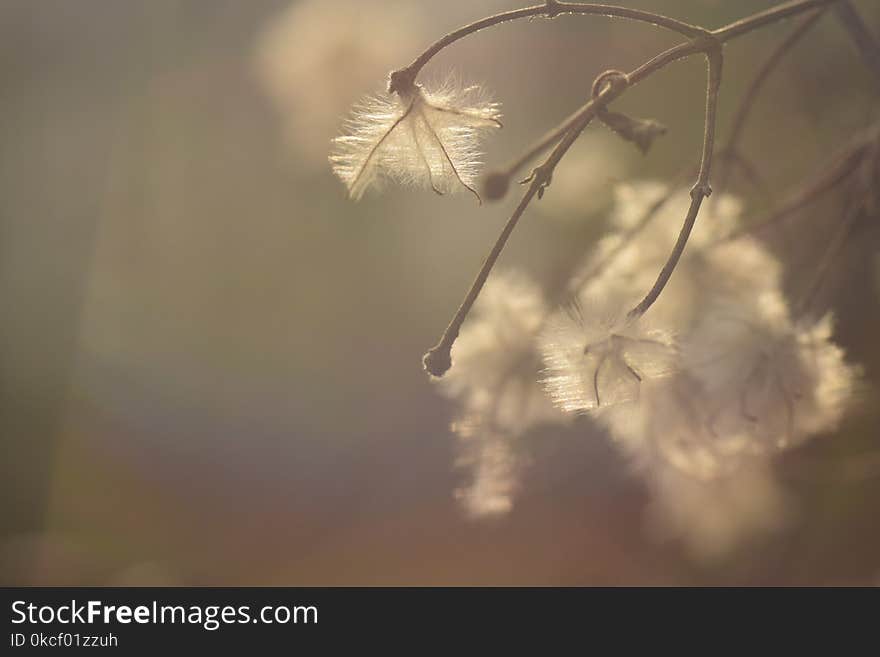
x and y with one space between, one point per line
495 359
595 359
421 137
765 377
751 380
700 417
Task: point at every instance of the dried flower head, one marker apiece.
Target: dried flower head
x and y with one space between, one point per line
767 378
415 136
594 359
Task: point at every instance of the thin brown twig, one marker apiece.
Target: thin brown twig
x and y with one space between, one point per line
405 77
767 17
499 179
700 190
829 177
596 268
547 140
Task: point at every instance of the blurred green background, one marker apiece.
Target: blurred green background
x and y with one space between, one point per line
211 358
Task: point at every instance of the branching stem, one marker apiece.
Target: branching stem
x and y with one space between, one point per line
438 360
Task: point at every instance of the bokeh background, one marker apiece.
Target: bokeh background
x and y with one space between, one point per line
210 358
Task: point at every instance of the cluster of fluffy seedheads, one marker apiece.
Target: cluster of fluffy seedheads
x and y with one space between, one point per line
700 377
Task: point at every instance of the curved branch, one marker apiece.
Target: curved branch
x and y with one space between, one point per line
550 9
843 165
